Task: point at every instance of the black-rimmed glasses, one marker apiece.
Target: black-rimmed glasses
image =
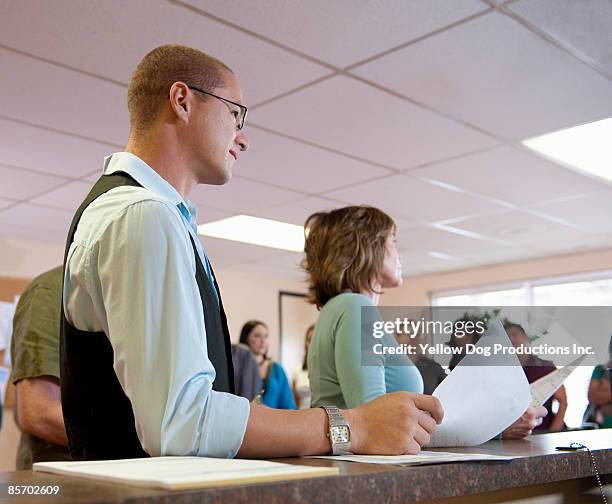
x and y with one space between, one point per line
241 113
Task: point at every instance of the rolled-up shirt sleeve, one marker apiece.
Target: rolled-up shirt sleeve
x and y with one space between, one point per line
140 274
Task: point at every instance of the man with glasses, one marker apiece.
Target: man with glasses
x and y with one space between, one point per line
145 352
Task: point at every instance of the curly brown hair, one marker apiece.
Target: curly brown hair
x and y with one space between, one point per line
344 251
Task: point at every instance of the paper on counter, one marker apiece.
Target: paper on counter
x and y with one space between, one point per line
482 396
179 473
423 458
543 389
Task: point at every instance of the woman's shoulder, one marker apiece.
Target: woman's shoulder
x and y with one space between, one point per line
348 300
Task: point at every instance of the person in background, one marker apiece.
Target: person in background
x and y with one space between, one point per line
35 358
301 383
350 257
276 391
247 380
535 368
600 395
432 373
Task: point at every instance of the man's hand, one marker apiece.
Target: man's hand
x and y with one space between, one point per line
394 424
526 423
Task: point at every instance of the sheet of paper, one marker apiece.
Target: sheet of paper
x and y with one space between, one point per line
482 395
425 457
545 387
173 473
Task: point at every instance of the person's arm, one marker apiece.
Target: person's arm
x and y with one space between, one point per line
38 409
296 396
599 388
393 424
561 397
525 424
1 357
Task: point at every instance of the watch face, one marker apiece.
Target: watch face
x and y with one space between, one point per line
340 434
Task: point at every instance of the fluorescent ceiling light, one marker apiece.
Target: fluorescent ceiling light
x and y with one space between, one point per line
586 148
257 231
440 255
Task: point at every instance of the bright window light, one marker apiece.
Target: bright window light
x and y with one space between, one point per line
257 231
586 148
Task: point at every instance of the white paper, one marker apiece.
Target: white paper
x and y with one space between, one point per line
543 389
480 399
425 457
184 472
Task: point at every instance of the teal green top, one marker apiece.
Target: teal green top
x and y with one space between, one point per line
337 376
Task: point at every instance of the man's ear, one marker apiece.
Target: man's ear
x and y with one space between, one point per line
179 97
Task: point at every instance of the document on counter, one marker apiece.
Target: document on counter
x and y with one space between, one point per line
483 395
181 473
423 458
543 389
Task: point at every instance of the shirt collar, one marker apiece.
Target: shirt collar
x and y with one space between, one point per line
148 178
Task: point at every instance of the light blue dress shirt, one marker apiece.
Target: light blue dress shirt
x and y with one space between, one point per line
130 272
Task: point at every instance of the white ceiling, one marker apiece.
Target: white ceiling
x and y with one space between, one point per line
415 106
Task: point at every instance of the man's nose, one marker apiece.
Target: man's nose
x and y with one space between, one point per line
241 140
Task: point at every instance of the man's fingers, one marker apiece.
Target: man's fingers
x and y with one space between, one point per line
421 436
541 412
412 448
426 421
430 404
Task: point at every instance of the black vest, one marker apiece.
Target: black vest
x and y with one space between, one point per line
98 415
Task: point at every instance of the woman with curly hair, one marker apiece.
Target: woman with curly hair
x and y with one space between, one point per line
351 257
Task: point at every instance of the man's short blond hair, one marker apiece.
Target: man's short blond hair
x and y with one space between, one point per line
158 70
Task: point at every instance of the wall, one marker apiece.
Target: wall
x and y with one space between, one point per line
417 290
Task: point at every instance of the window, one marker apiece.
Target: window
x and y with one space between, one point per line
579 290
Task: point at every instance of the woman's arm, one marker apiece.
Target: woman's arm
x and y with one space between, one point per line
561 396
599 392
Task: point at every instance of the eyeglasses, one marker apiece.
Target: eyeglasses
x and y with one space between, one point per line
240 114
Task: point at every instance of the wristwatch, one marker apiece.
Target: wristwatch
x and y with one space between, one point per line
339 431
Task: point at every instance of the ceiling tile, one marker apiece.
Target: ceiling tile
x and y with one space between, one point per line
62 99
590 213
346 115
428 239
67 197
241 195
326 30
230 251
520 229
494 73
4 203
295 165
47 151
20 184
206 214
582 26
266 269
408 197
37 217
297 212
112 36
511 175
